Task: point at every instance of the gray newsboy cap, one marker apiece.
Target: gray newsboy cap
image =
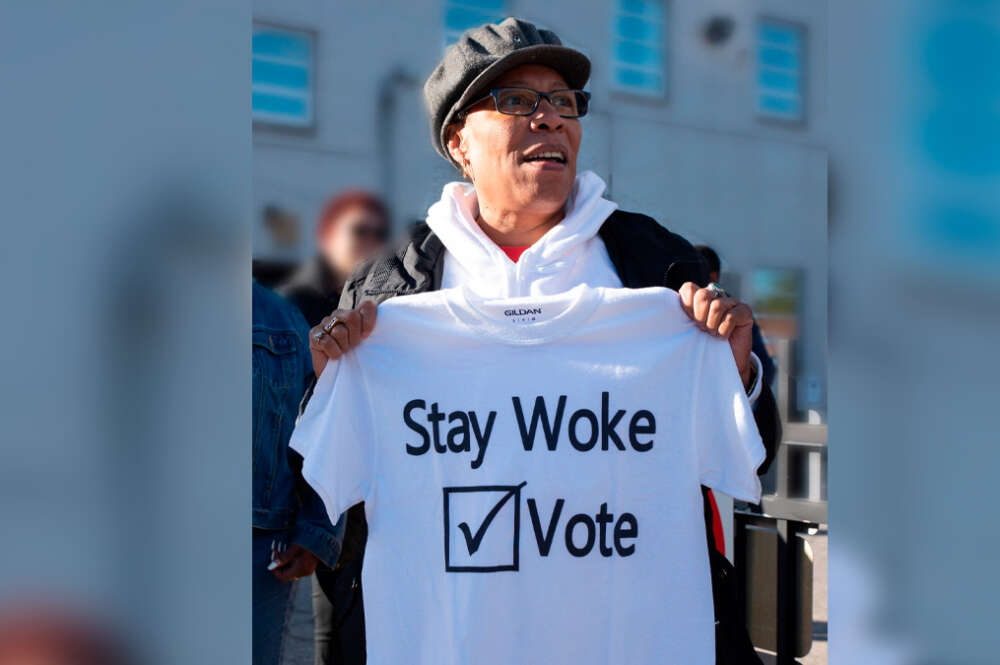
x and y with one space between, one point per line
481 55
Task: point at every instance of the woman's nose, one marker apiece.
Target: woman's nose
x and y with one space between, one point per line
546 116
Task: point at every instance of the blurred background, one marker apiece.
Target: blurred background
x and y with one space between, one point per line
842 158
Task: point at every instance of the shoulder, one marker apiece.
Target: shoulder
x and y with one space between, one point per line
638 229
307 281
312 302
297 286
646 253
266 302
272 311
406 267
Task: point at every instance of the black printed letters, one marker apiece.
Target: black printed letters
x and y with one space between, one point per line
458 438
548 423
582 531
583 428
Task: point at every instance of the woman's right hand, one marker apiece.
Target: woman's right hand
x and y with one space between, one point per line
352 326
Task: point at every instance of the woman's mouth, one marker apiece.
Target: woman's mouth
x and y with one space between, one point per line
547 160
547 156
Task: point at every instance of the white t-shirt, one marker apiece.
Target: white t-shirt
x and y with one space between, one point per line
530 470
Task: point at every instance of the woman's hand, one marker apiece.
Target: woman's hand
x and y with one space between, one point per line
293 563
725 317
350 327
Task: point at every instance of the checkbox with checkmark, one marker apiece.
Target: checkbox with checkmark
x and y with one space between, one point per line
482 524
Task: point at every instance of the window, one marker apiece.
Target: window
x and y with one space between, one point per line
282 77
779 70
460 15
637 51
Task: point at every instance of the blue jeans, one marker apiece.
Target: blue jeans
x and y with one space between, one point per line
271 601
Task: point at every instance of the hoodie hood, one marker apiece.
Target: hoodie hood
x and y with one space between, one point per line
569 253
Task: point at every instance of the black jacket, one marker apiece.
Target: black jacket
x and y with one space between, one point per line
644 254
312 290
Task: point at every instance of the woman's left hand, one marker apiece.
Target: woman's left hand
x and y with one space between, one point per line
293 563
723 316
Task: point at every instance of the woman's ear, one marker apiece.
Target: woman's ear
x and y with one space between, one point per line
455 146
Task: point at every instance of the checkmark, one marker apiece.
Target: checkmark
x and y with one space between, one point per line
469 501
473 542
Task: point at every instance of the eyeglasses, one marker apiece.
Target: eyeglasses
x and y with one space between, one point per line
377 233
524 101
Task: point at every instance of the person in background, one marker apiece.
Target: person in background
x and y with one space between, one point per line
353 226
714 268
291 530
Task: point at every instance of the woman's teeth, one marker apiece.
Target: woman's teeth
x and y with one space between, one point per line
556 156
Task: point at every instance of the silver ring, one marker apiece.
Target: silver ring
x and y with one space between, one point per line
328 327
717 290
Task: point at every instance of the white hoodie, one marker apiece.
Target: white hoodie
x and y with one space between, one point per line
569 253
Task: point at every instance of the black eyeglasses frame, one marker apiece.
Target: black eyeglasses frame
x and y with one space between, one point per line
539 96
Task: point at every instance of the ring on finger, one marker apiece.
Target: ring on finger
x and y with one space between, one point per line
717 290
329 326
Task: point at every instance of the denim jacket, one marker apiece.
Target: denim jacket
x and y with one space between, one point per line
282 369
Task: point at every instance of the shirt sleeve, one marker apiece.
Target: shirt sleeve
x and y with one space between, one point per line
728 446
336 438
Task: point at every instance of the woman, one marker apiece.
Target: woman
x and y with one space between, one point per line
292 532
505 104
352 226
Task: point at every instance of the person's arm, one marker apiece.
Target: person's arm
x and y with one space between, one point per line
765 414
313 528
760 349
692 274
313 536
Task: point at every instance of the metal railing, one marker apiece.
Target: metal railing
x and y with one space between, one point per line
773 569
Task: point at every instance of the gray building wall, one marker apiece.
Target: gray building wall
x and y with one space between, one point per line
700 160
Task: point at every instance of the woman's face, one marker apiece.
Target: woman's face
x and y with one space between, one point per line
497 149
358 233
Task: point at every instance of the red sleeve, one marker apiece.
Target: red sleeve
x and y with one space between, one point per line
717 533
